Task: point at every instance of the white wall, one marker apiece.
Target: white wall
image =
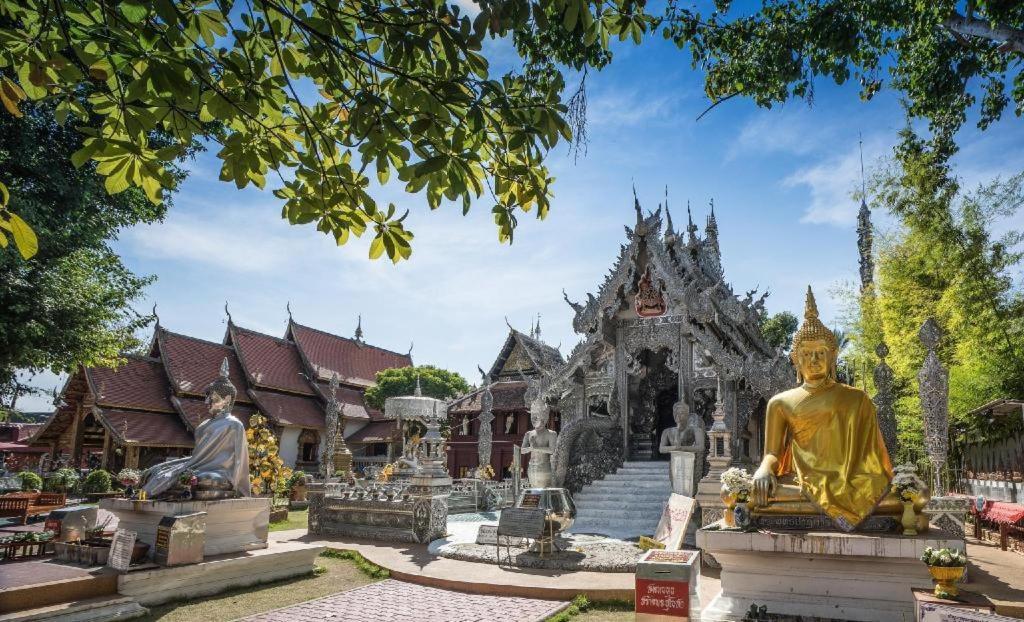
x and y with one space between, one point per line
288 446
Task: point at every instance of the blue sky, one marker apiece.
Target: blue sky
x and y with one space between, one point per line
781 181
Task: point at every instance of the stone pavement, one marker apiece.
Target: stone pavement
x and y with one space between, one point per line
397 601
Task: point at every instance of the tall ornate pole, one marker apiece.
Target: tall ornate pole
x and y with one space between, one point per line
933 380
337 457
885 400
484 435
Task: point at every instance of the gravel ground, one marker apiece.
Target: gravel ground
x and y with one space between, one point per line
580 552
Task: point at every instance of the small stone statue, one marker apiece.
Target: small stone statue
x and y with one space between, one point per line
685 445
540 441
220 459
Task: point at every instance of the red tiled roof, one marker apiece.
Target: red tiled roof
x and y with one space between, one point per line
351 401
375 432
353 361
139 383
145 428
22 448
284 409
192 364
194 411
25 430
507 396
269 362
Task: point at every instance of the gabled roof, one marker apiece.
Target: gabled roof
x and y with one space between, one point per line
353 361
375 432
351 401
139 384
269 362
151 429
192 364
508 395
542 358
194 411
291 410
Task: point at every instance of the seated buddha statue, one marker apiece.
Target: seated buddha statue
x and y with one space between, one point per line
219 460
823 452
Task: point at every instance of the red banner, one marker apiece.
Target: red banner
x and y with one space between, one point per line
667 598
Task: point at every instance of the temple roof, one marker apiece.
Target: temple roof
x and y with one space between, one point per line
269 362
354 362
138 384
375 432
193 411
151 429
508 395
293 410
192 363
351 401
526 355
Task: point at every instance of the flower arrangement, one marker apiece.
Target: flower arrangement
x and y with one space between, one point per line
188 478
906 483
267 472
736 481
129 477
944 558
385 473
485 472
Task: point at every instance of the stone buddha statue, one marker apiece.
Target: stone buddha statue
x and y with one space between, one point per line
685 446
220 459
540 441
823 452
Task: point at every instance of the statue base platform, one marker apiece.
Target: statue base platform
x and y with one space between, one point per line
828 575
232 525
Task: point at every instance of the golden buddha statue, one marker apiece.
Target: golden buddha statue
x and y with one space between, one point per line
823 452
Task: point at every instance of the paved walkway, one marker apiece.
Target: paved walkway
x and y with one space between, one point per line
396 601
997 574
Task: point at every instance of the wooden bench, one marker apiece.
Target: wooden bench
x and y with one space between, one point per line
25 504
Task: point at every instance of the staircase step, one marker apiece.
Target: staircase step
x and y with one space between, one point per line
631 485
613 504
611 514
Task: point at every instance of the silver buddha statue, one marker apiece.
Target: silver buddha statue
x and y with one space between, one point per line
220 459
685 446
540 441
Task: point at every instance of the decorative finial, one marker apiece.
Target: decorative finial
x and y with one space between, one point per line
484 376
509 324
225 370
669 230
882 350
288 307
359 328
227 312
334 382
537 335
810 305
636 206
155 316
409 353
860 142
419 390
930 334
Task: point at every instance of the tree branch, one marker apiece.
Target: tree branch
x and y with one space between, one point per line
1011 39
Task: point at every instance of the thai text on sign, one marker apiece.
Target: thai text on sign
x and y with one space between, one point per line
669 598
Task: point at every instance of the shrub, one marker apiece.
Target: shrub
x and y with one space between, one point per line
96 481
30 480
63 480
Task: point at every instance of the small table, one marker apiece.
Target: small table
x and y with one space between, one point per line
925 602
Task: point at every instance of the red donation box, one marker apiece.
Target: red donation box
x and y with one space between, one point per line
666 585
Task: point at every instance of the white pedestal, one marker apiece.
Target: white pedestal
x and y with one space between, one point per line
842 576
232 525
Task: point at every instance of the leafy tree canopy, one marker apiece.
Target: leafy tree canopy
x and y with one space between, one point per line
328 97
70 305
778 329
434 382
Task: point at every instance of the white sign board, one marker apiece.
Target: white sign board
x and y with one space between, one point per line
933 612
121 549
675 518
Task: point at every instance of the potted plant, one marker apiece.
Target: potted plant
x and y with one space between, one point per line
909 487
63 480
947 568
736 487
30 482
129 478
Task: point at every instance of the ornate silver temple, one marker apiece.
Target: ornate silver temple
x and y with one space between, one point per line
664 326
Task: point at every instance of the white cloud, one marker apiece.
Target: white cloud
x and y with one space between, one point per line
628 108
793 131
831 183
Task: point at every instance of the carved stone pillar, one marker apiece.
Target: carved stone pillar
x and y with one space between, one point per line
933 381
885 400
622 386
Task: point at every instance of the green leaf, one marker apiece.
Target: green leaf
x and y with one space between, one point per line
24 237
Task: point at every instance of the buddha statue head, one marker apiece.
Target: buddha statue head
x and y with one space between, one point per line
220 394
681 413
815 350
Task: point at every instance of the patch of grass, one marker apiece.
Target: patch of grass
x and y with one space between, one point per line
296 520
582 609
369 568
330 576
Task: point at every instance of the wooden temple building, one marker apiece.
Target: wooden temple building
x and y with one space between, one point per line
521 357
144 410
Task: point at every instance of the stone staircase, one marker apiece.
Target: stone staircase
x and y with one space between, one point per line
625 504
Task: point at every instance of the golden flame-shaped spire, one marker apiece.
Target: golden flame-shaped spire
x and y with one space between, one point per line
812 329
810 306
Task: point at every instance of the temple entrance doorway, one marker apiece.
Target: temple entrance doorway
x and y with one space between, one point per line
653 390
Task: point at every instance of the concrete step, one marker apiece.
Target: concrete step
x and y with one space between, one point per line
617 504
102 609
630 485
631 477
628 514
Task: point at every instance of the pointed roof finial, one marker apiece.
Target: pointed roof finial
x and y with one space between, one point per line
419 389
537 335
288 308
155 316
409 353
860 143
636 206
359 328
669 230
227 312
225 370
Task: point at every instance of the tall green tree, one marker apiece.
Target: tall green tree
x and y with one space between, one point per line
778 329
434 382
944 261
71 303
329 97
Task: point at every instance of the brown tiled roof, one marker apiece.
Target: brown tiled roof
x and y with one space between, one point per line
145 428
194 411
192 364
375 432
284 409
351 400
353 361
507 396
25 430
139 383
545 358
269 362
